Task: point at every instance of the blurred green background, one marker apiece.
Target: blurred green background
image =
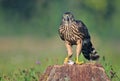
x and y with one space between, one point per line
29 31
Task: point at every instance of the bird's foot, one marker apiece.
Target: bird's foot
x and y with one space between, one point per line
66 60
77 62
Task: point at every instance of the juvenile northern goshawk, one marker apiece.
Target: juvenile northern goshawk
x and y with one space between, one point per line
74 32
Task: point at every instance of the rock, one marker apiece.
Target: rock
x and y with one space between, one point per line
84 72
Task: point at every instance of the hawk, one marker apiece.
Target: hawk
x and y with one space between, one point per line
74 32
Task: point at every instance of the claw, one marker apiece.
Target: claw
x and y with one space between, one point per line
77 62
66 60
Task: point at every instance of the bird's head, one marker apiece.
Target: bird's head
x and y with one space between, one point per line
67 17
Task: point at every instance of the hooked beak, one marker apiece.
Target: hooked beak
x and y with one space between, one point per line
68 19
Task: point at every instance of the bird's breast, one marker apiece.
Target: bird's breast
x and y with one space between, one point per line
71 33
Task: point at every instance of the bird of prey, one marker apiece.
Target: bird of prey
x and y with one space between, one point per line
74 32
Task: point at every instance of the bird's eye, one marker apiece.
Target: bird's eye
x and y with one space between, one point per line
72 19
63 19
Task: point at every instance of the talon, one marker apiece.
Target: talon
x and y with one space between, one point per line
77 62
66 61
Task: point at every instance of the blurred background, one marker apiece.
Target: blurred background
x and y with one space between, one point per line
29 31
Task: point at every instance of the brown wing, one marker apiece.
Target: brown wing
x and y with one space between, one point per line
87 47
83 29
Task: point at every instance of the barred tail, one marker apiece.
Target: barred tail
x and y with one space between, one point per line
89 51
94 55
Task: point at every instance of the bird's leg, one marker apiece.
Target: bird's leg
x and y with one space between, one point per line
78 51
69 50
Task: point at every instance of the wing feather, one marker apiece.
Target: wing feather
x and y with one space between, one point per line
83 29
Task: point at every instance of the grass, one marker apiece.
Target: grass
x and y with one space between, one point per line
26 58
110 70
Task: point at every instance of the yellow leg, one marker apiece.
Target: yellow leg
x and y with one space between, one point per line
77 61
66 60
69 50
78 51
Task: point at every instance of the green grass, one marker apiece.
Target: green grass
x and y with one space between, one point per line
26 58
110 69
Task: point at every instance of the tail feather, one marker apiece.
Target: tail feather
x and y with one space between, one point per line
89 51
94 55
